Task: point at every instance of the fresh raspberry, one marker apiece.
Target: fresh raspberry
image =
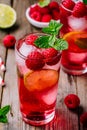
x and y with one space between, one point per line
36 15
46 18
72 101
34 8
83 119
9 41
50 55
79 10
69 4
44 10
35 60
55 14
30 39
54 5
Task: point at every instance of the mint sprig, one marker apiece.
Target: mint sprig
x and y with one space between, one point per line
51 39
3 114
44 3
53 28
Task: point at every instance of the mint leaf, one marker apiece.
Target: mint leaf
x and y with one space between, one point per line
85 1
53 28
42 42
44 3
51 40
3 119
4 110
60 44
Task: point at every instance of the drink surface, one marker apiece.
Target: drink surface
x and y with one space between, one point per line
37 80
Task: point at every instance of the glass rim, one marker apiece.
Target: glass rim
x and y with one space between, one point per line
23 38
66 8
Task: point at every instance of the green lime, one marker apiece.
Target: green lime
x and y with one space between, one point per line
7 16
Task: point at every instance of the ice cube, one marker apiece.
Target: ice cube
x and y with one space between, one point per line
54 67
19 60
77 24
26 49
77 58
50 97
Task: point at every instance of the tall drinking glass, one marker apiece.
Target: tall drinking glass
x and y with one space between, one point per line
37 80
74 20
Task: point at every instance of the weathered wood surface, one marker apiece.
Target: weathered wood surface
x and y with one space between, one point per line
65 119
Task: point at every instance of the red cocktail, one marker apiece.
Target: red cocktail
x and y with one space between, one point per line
73 16
38 74
74 60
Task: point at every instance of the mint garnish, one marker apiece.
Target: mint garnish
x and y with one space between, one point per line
53 28
44 3
85 1
51 39
3 112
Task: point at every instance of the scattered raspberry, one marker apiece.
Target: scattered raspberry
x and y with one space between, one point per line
79 10
9 41
34 60
72 101
69 4
30 39
50 55
55 14
54 5
46 18
36 15
83 119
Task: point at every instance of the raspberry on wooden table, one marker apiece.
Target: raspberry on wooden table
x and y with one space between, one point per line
72 101
9 41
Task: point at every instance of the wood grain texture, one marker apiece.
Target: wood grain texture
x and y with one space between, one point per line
65 119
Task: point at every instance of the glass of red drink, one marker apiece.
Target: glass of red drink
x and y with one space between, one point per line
73 16
38 75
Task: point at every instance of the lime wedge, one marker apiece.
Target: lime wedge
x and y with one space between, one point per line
7 16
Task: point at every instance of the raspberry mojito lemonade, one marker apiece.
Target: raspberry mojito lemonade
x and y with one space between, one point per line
38 65
74 60
73 16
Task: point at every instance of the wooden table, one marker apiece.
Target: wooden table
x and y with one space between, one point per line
65 118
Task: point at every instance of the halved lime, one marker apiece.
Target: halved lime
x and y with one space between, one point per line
7 16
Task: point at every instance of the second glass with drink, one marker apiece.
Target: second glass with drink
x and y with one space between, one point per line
73 15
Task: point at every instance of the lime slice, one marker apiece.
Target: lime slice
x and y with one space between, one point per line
44 3
7 16
40 79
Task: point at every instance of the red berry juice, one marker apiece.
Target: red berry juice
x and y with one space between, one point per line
37 86
72 21
74 60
